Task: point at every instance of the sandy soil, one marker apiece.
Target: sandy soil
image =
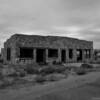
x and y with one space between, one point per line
85 87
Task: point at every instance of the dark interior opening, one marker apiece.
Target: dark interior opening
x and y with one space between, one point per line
40 55
79 55
70 53
52 53
26 52
8 54
63 56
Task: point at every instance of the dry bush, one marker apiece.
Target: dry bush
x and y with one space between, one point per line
40 79
47 70
81 71
52 69
1 65
7 81
30 78
32 68
55 77
87 66
8 71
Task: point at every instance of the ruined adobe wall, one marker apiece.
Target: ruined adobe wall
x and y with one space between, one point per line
17 41
10 43
52 42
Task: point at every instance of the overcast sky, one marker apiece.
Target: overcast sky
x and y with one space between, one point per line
72 18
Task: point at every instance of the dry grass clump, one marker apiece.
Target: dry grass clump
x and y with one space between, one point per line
55 77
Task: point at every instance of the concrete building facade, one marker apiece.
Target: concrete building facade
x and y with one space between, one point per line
27 49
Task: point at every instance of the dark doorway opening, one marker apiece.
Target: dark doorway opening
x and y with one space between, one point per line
70 53
63 56
52 53
26 52
79 55
8 54
40 55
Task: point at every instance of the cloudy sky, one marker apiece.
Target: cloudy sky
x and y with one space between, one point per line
72 18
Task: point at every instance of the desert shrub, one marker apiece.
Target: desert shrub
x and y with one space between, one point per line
51 78
30 69
81 71
19 70
52 69
21 73
47 70
55 77
60 69
29 78
96 62
13 75
7 81
40 79
8 71
1 65
20 81
74 69
87 66
66 72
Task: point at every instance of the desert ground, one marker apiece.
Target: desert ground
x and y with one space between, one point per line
84 87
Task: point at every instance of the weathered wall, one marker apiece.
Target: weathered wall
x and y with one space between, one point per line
52 42
10 43
17 41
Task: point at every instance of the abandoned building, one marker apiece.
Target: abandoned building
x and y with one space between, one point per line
27 49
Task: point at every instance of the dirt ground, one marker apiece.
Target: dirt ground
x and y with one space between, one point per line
86 87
